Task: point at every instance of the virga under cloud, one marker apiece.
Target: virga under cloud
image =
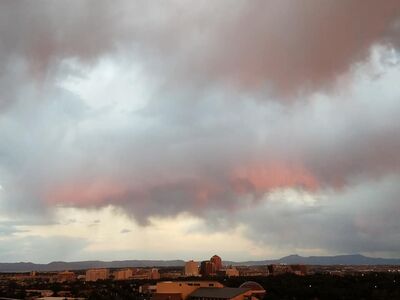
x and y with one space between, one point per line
162 108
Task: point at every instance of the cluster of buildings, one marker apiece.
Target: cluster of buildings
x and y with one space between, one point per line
349 270
44 276
124 274
208 268
155 286
211 267
214 267
282 269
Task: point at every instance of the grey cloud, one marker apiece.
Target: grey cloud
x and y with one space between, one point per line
48 31
41 249
9 228
358 219
205 154
214 137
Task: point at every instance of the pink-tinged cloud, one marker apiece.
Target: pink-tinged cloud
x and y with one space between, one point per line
196 195
84 194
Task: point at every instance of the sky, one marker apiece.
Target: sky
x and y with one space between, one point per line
182 129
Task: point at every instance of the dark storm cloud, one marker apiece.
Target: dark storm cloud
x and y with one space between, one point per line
358 219
217 133
46 31
283 44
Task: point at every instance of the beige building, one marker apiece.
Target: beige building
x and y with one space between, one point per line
231 272
191 268
253 271
146 274
97 274
154 274
124 274
171 275
66 276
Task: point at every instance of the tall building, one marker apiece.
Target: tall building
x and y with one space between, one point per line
217 261
191 268
97 274
207 268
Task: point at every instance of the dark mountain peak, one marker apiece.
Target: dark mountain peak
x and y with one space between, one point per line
354 255
292 256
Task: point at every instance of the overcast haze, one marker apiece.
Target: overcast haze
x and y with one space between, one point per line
181 129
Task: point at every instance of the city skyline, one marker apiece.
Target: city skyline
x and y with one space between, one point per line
181 129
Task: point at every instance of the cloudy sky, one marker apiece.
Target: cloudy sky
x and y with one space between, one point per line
181 129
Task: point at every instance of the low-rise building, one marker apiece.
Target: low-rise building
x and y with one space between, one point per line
229 272
146 274
40 293
66 276
299 269
165 289
283 268
257 289
225 293
171 275
253 271
148 289
204 290
60 298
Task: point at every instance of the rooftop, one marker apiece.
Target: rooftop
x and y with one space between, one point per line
220 293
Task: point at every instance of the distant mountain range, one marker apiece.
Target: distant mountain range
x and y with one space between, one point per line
355 259
81 265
